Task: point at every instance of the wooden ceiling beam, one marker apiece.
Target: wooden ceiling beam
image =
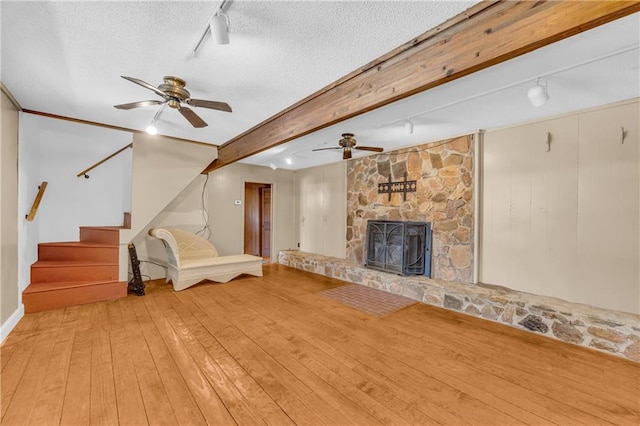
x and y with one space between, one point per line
486 34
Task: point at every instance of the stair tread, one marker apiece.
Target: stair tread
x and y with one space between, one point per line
60 285
106 228
63 263
78 244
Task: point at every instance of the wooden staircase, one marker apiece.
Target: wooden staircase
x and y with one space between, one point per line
76 272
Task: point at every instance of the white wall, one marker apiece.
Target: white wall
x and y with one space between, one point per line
71 201
184 212
28 182
321 209
226 219
55 151
10 311
162 168
565 223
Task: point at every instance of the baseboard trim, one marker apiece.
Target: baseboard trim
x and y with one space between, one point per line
11 322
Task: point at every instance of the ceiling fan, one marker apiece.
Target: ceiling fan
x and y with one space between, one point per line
173 93
347 143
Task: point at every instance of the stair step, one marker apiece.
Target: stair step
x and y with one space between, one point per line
53 295
60 285
100 234
45 271
78 251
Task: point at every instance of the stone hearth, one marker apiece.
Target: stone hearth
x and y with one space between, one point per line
608 331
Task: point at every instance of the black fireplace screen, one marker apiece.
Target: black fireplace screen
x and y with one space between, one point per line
400 247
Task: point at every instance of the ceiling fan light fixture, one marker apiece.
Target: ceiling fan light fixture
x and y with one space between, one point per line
219 27
538 94
151 129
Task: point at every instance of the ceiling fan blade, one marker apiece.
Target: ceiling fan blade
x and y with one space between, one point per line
369 148
145 85
192 117
322 149
140 104
221 106
346 154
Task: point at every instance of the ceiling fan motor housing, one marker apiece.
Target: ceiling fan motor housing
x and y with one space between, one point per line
173 87
347 140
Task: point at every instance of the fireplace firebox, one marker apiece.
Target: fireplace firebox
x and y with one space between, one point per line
400 247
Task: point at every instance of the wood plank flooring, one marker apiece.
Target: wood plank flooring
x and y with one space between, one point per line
274 351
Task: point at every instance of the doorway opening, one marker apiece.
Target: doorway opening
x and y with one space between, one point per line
257 219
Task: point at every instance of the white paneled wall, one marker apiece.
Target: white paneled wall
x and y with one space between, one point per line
608 206
322 209
563 219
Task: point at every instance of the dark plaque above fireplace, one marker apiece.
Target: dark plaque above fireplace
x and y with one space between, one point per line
400 247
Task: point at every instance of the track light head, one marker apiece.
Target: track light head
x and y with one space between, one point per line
408 127
538 94
219 27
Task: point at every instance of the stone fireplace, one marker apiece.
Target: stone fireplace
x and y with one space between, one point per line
443 173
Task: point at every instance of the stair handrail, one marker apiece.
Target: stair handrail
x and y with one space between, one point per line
36 202
105 159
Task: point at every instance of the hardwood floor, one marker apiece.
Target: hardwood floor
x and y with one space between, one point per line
272 350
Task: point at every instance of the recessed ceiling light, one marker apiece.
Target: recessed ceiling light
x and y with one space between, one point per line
289 160
151 129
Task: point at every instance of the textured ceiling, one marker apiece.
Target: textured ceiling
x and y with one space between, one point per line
594 68
66 57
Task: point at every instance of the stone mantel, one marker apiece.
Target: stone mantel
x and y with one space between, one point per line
613 332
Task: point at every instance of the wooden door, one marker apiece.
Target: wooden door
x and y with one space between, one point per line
257 219
252 218
265 220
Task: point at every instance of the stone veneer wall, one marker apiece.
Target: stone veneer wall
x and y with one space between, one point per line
444 197
608 331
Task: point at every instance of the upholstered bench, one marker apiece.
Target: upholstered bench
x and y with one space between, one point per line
193 259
